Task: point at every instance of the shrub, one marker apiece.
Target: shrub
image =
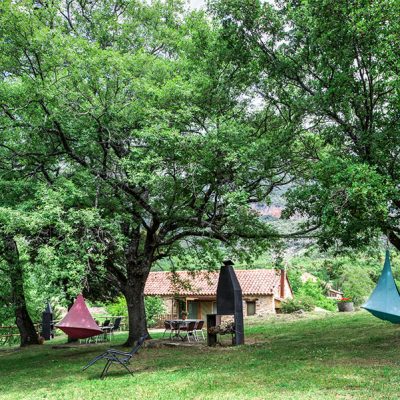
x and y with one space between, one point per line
289 306
305 303
294 276
154 306
119 307
357 284
316 292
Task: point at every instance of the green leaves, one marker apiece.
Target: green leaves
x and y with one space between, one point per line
135 136
347 199
329 68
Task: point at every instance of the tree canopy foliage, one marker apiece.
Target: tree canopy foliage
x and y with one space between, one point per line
132 120
333 67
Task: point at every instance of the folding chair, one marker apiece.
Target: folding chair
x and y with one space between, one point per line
117 357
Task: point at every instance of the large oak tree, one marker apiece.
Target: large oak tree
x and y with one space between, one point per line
138 105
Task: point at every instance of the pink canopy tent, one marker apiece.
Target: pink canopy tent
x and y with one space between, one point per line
78 323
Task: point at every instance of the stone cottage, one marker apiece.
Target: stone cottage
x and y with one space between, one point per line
263 291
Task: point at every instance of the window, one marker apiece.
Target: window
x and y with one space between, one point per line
251 307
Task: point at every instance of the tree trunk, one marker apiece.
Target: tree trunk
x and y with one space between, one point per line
23 320
25 325
134 295
394 240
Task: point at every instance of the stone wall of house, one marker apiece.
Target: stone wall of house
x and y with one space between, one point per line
264 305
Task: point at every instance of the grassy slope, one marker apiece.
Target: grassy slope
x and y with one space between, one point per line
349 356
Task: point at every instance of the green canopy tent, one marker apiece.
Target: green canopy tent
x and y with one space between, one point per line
384 302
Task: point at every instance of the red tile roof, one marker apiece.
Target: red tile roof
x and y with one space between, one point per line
203 283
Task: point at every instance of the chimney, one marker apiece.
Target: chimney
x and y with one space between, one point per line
229 299
283 282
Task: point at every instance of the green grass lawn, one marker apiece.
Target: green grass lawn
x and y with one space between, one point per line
337 356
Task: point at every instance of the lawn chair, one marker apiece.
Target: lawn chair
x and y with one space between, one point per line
117 357
190 330
199 328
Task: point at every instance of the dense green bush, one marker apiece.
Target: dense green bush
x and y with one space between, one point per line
356 284
294 276
7 315
355 275
315 291
118 307
305 303
154 306
330 267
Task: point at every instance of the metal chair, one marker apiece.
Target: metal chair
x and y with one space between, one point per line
117 357
168 327
116 325
176 329
189 329
199 328
106 328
